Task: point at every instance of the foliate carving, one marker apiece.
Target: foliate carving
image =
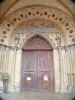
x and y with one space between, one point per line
37 23
73 40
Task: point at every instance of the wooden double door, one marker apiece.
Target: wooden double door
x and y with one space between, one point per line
37 70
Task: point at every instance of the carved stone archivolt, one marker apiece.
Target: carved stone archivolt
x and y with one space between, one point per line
50 15
29 29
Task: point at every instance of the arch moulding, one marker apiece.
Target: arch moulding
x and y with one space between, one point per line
42 12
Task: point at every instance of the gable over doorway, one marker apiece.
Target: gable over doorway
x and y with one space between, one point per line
37 65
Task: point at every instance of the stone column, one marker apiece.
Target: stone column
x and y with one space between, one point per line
1 67
60 66
71 69
63 71
6 60
11 69
67 69
18 70
56 70
2 56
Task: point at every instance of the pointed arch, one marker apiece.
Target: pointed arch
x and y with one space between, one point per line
40 37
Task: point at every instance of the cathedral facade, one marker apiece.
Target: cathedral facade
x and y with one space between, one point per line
37 48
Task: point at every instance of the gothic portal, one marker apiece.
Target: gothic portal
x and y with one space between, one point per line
37 65
37 47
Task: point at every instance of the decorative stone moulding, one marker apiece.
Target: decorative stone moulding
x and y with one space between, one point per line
30 28
40 12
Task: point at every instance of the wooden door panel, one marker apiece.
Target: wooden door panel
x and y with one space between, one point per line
45 61
44 81
45 73
29 61
29 81
29 71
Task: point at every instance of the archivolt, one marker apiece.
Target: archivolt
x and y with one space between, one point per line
55 15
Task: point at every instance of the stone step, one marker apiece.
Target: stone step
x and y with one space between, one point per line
36 96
